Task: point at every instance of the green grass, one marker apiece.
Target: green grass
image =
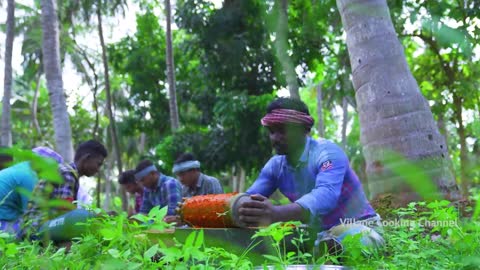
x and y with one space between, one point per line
431 236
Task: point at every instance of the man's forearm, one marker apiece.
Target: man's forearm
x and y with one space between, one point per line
290 212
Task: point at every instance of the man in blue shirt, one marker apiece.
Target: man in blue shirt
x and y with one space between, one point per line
159 189
16 183
314 175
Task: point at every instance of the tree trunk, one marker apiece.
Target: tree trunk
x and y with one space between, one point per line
393 113
99 190
233 179
478 105
442 127
142 142
53 73
174 120
112 124
344 122
321 123
458 108
6 129
108 184
109 166
281 48
35 105
241 178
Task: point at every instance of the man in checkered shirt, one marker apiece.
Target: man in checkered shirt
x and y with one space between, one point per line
159 189
89 157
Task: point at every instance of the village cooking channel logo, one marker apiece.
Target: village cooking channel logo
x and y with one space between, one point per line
402 223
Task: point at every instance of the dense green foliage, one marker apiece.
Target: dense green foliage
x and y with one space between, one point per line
227 71
422 236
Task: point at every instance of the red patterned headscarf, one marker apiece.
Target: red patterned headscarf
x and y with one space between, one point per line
283 116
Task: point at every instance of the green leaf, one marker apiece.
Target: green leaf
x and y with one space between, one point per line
273 258
117 202
140 217
11 250
150 252
114 252
476 213
190 239
60 252
59 203
133 266
412 174
199 240
107 234
158 214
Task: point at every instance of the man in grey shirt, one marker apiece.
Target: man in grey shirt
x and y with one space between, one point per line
187 170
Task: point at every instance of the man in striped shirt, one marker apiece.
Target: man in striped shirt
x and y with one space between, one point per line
89 157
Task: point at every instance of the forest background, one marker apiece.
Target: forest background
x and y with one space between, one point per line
230 60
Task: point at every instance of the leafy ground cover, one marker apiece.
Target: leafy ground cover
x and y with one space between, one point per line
421 236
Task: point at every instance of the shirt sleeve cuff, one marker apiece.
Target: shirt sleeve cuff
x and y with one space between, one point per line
308 203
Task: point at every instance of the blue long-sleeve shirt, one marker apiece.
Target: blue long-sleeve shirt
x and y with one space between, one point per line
322 183
15 182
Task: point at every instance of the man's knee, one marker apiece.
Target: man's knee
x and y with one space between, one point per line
334 240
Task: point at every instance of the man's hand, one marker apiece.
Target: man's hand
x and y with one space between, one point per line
112 213
258 212
131 211
170 219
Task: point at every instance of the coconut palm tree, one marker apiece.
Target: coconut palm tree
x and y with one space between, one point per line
6 130
174 121
393 113
53 73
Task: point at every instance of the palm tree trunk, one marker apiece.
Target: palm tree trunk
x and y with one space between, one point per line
321 123
174 120
344 122
53 73
442 126
113 128
6 130
281 48
393 113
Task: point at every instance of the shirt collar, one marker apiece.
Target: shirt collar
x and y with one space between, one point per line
200 181
159 183
73 166
73 169
304 157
